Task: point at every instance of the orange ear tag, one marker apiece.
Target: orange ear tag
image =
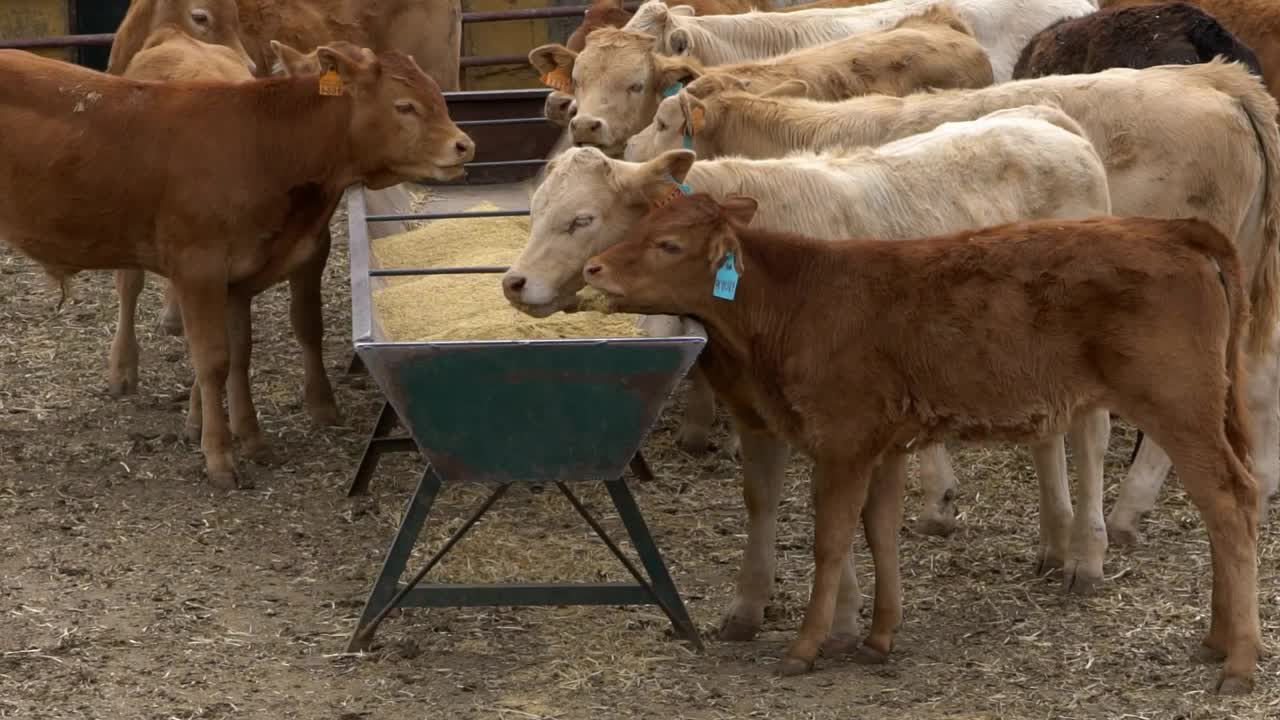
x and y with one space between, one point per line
558 79
697 120
330 83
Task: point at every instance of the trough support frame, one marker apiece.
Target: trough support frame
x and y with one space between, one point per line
654 586
381 440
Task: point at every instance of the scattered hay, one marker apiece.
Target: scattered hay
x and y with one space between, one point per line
470 307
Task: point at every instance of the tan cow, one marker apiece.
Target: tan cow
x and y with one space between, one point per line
1010 333
428 30
262 166
933 49
611 13
1029 162
1177 141
1002 27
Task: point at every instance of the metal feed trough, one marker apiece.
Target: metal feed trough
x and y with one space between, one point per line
508 411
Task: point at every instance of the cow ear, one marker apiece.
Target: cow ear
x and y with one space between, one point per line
694 112
741 209
678 41
352 67
672 71
724 240
288 60
791 88
685 10
554 64
660 178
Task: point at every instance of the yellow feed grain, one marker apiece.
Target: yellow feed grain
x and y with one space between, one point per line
470 307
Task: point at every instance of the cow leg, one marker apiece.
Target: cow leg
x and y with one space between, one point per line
306 312
123 378
841 493
1050 459
881 520
1142 485
195 413
1083 571
699 414
244 416
171 315
204 315
939 486
764 461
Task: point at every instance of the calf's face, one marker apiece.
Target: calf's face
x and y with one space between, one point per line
585 204
617 82
560 108
400 126
668 262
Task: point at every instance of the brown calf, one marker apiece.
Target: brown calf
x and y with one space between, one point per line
1172 33
1137 315
229 183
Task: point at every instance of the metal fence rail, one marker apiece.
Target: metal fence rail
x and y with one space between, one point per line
104 39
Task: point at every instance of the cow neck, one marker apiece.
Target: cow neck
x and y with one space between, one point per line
305 135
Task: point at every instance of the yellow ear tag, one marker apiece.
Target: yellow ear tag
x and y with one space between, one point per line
697 120
558 79
330 83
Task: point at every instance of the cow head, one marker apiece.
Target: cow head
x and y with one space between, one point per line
585 203
669 262
216 22
617 80
602 13
560 108
693 118
400 125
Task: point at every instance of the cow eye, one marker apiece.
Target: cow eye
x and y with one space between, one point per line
200 17
636 87
405 107
662 127
668 247
580 222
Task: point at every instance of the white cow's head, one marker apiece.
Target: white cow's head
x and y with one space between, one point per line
586 203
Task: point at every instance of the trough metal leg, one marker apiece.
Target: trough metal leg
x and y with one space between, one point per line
647 549
384 588
388 593
356 366
380 441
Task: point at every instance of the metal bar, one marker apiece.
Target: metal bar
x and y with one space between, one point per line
363 635
647 549
532 13
613 547
415 272
514 595
491 60
641 468
57 41
356 366
358 252
508 163
385 585
447 215
373 449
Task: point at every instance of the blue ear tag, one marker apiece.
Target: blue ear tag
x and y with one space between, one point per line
726 279
684 187
672 89
688 141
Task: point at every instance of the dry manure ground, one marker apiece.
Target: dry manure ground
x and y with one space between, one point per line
129 590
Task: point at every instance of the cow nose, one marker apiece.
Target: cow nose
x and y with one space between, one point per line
587 129
465 147
593 269
512 285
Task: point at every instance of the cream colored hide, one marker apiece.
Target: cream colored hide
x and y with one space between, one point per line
1021 163
1177 141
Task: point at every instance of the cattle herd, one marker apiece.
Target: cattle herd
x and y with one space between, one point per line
901 222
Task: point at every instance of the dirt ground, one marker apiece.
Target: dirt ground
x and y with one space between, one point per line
129 590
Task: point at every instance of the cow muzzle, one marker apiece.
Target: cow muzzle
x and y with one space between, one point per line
589 130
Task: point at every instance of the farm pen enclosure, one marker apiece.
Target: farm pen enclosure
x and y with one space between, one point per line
129 592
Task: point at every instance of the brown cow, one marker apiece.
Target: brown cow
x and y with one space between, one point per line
229 183
1172 33
1255 22
430 31
1141 316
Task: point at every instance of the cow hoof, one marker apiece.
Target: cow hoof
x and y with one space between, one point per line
792 666
1048 563
325 415
119 387
1125 536
839 644
1078 581
867 655
192 433
173 329
733 629
259 451
1231 685
224 480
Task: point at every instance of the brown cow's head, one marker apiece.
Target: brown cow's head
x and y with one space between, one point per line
216 22
617 81
602 13
400 125
669 262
